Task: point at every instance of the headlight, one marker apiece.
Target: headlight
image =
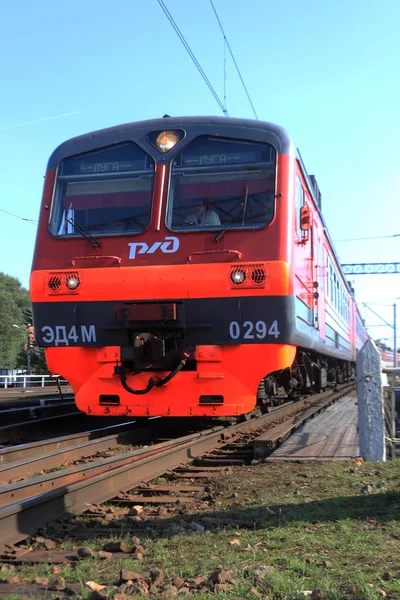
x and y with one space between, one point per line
72 282
238 276
165 140
252 275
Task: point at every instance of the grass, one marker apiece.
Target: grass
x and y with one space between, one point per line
283 529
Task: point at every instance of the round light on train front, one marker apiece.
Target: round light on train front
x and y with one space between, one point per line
167 140
72 282
238 276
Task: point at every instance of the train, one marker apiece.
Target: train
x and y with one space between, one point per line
387 356
182 267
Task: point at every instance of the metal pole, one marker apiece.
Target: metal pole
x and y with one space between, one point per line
28 353
59 387
393 416
395 337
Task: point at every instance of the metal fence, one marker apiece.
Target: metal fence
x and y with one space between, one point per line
24 381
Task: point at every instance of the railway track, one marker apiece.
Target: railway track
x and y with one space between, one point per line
29 411
20 419
41 429
125 479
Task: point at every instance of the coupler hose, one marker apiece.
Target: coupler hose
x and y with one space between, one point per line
153 381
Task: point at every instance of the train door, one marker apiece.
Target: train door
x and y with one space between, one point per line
314 275
305 253
311 275
318 279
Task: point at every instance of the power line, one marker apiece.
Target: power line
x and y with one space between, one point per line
39 120
192 56
233 58
379 317
375 237
18 217
379 302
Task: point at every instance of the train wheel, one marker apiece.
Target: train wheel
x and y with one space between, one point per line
244 418
264 401
266 407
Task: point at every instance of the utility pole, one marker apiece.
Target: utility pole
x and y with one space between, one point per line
28 352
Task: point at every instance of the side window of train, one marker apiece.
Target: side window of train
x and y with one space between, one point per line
337 293
300 201
331 283
323 269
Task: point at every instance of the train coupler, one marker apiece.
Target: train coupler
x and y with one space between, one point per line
153 381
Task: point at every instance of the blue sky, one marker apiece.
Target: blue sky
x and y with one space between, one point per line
326 71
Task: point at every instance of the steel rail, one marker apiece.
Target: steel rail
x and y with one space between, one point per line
21 394
61 456
33 413
10 433
28 488
19 520
32 401
23 452
33 457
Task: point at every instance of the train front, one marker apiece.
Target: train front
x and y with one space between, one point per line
160 281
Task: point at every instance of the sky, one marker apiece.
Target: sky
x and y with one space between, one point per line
326 71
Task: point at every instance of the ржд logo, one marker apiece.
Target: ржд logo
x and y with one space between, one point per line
168 246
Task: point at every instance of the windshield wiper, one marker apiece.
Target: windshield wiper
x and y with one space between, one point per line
243 207
95 243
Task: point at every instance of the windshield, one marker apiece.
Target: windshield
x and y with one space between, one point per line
217 183
105 192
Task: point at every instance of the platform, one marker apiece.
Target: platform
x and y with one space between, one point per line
20 393
330 436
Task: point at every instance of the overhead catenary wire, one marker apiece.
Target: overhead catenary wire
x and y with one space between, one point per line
233 58
374 237
192 56
18 217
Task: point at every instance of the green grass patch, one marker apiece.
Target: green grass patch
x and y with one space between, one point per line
285 530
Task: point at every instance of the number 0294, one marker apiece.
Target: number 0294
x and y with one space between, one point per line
250 330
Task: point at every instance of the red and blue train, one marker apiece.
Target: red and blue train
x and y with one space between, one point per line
182 267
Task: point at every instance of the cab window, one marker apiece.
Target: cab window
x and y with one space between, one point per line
104 192
217 183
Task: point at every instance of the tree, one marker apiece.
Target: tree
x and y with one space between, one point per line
14 299
37 360
15 317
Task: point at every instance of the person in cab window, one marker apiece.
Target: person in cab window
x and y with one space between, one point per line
202 215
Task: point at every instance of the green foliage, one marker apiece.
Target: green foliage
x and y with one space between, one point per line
14 300
15 316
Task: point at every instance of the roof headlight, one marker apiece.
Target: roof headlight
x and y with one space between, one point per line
165 140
